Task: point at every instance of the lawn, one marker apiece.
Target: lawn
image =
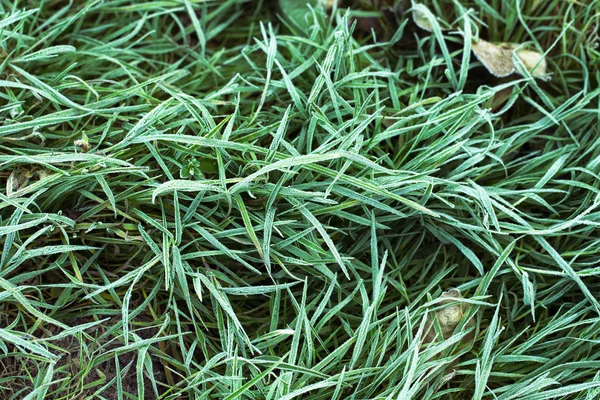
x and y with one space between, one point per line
296 199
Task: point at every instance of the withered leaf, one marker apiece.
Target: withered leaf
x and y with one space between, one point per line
448 316
19 179
534 62
82 144
497 59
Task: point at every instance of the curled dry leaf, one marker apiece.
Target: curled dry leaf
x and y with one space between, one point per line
82 144
19 179
448 316
498 59
534 62
500 98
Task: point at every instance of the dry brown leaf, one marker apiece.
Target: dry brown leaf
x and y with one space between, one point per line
501 97
497 59
82 144
19 179
534 62
448 316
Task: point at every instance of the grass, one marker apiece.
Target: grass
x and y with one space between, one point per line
208 200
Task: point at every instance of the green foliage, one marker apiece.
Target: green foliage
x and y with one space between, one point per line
205 199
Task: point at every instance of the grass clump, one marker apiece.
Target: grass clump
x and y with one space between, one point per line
214 200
